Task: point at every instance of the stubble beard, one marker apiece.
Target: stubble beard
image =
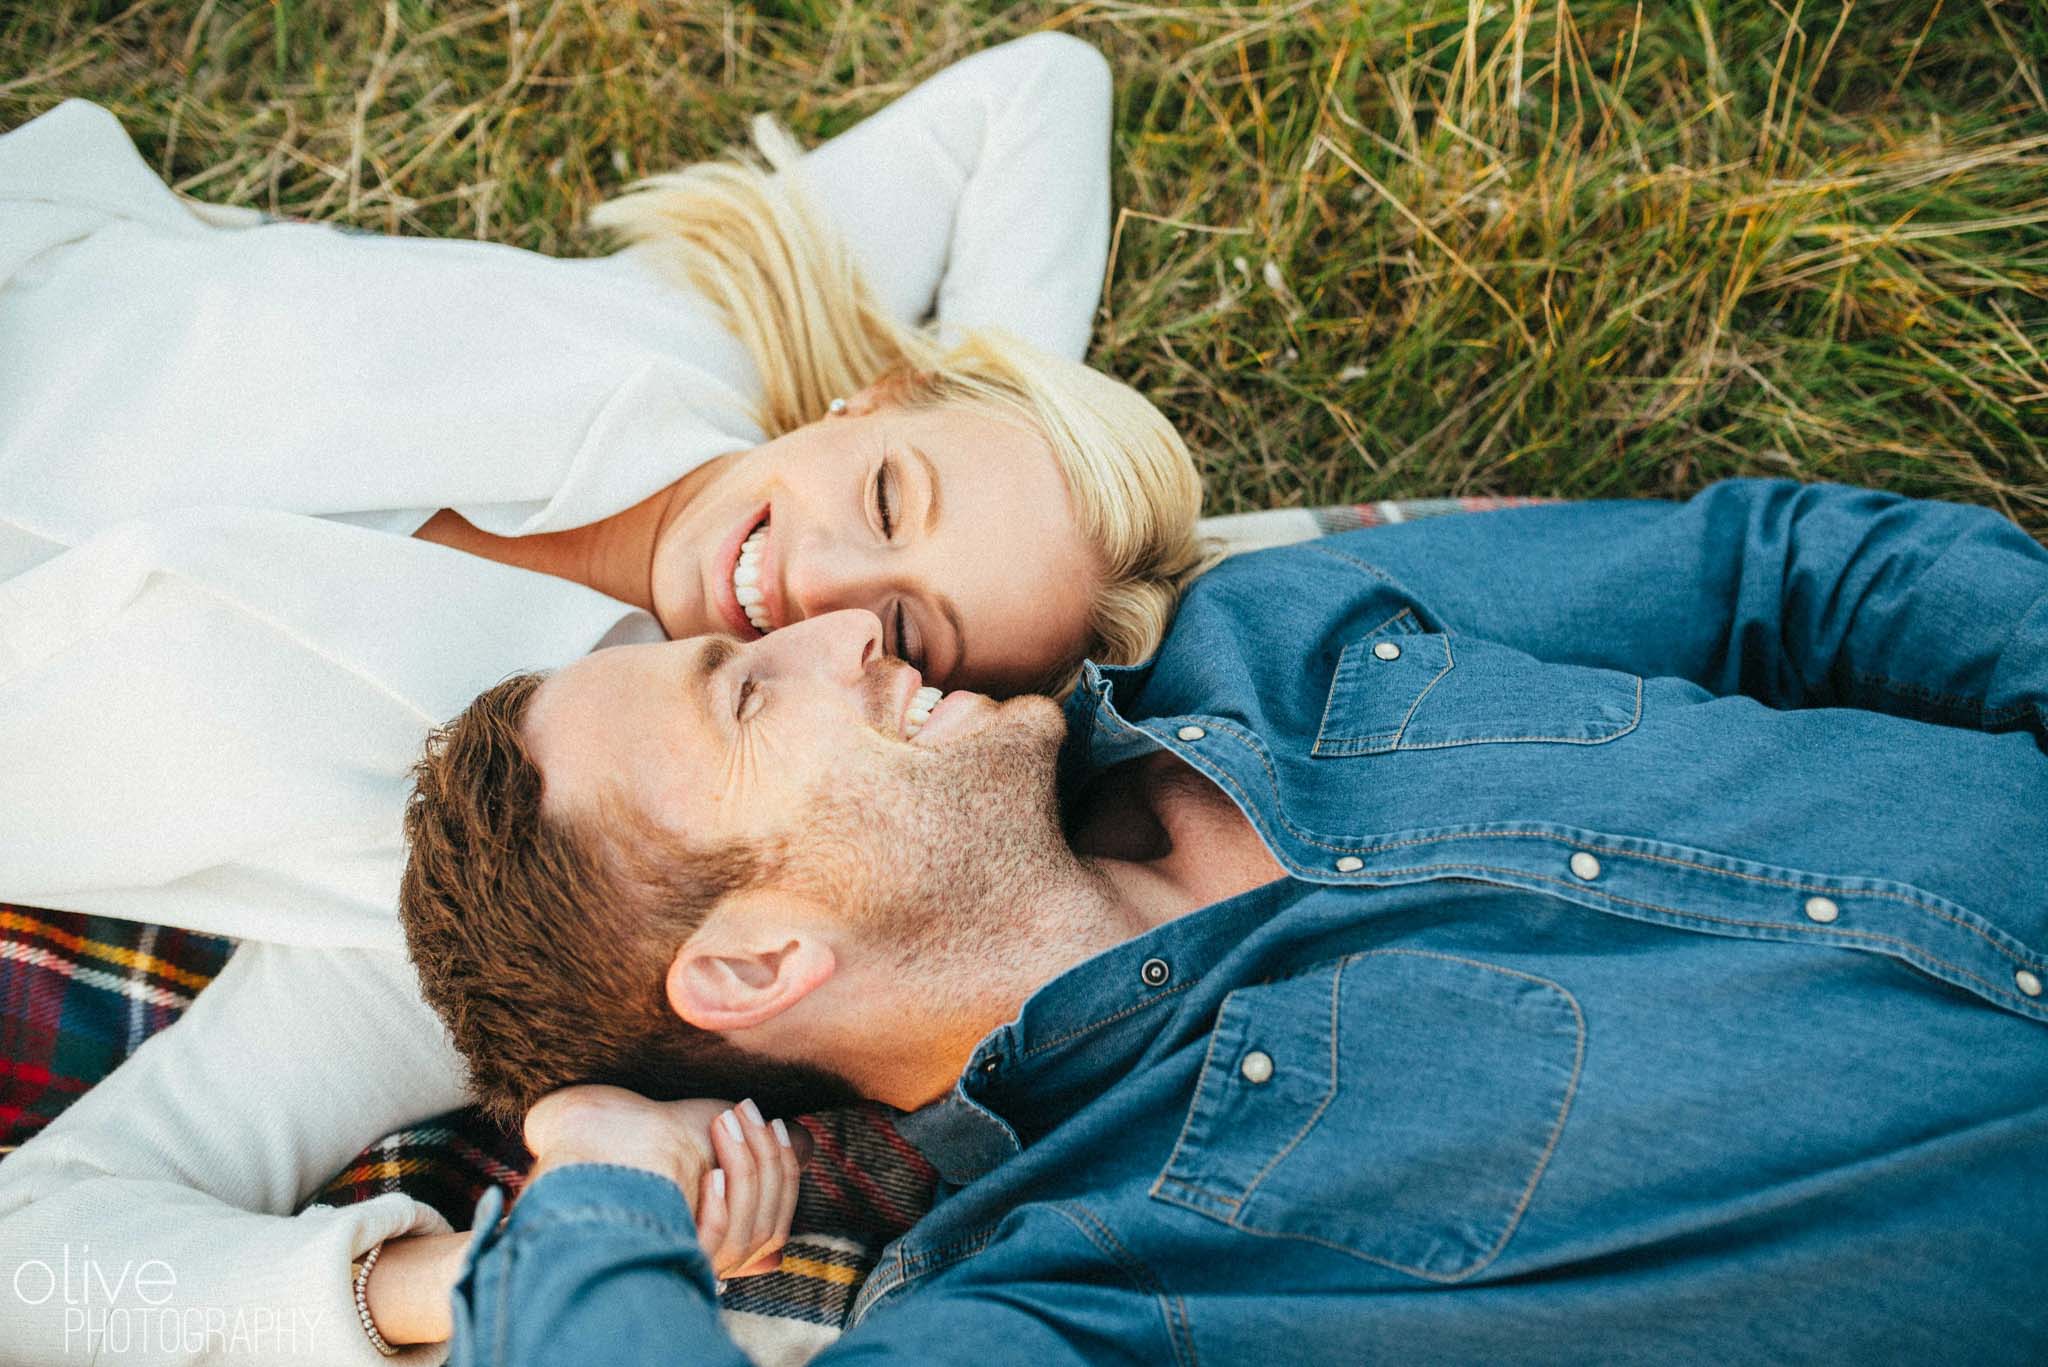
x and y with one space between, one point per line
961 880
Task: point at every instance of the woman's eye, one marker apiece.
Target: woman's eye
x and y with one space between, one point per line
909 646
885 498
748 702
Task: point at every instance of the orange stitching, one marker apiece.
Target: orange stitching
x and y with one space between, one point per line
1131 1010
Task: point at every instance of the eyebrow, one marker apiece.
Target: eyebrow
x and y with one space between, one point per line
711 657
931 474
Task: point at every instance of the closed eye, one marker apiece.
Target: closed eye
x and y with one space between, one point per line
909 643
888 498
748 694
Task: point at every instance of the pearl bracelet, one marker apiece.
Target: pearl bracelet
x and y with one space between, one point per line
377 1340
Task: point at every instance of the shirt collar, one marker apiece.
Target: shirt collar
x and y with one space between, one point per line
1078 1033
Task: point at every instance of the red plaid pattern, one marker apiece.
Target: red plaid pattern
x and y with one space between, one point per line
78 994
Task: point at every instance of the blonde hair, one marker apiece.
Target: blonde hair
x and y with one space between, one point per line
788 286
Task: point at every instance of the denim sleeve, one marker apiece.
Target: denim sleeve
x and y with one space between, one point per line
1796 595
598 1265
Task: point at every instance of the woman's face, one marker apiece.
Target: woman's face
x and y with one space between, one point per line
951 527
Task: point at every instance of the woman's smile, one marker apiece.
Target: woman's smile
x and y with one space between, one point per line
741 587
978 585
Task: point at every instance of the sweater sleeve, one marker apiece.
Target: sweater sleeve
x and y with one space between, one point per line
151 1222
982 196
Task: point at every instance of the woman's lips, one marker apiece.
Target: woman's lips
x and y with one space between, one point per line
728 558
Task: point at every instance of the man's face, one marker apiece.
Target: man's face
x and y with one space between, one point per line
804 739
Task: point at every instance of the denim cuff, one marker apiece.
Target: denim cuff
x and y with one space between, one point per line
598 1190
577 1226
587 1193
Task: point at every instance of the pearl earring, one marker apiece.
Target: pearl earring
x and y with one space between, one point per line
836 406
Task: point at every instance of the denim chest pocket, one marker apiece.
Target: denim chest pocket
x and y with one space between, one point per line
1399 1106
1403 688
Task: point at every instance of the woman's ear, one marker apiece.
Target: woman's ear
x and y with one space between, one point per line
892 389
861 404
747 965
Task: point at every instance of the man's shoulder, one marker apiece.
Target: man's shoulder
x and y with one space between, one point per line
1298 595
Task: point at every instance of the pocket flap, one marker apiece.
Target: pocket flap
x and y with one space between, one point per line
1402 688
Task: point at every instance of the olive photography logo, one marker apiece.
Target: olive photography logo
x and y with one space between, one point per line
99 1309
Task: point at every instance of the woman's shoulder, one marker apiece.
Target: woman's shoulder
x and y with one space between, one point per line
78 152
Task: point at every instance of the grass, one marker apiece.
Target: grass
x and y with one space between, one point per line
1363 250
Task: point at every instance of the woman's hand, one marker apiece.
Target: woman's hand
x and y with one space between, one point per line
738 1173
748 1200
410 1287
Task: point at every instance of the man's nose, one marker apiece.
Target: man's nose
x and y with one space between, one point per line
838 645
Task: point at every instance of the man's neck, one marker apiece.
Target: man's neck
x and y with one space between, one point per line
1168 840
1154 840
1150 841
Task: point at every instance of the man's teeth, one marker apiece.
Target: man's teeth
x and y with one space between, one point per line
746 581
921 704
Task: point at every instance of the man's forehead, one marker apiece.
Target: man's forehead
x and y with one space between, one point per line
588 719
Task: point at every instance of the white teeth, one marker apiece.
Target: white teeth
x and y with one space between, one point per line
746 580
920 710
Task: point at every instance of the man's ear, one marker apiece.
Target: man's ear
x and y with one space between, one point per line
748 963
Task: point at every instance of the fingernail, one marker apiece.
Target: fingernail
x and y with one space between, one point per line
718 1183
781 1132
731 1123
753 1111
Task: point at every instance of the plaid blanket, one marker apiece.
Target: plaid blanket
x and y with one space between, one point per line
78 994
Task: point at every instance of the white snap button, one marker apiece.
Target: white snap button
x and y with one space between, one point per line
1350 863
1257 1066
1387 650
2027 983
1155 972
1191 733
1821 909
1585 866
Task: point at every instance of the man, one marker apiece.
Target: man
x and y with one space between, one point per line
1610 932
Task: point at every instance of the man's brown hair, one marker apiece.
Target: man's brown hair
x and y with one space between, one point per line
544 942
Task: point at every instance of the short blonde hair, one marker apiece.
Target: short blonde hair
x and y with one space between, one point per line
746 239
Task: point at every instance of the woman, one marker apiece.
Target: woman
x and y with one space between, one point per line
613 424
250 560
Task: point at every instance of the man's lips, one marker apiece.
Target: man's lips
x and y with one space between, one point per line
904 681
958 713
953 713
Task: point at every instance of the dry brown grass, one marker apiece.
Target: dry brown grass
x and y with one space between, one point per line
1364 250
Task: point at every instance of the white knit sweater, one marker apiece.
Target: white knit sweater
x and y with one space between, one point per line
217 661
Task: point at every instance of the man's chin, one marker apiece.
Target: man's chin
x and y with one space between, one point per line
1033 716
994 747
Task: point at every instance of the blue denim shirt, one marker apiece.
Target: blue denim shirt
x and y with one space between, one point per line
1653 981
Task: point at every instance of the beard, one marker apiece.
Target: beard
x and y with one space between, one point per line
948 862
